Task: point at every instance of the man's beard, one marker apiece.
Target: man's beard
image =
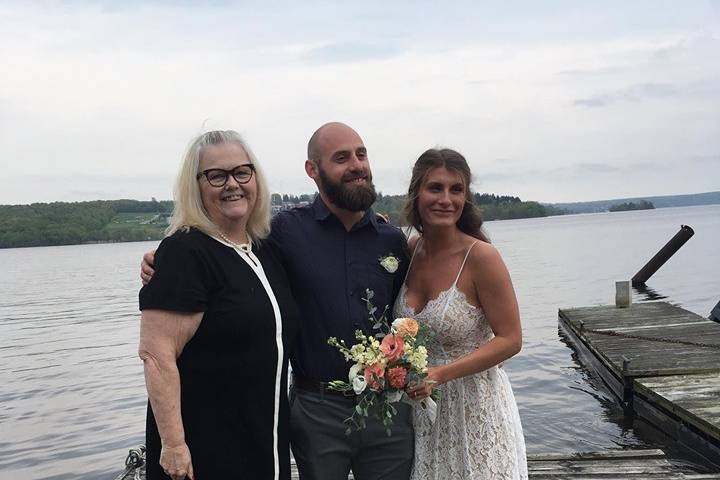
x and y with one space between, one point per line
355 198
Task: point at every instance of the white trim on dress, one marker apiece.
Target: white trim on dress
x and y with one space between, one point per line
254 263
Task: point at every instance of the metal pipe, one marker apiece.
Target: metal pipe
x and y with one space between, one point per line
715 313
663 255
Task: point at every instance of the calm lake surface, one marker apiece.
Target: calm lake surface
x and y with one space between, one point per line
72 395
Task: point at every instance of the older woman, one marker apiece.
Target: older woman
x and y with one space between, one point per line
217 318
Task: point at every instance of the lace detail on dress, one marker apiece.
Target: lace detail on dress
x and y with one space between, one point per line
477 433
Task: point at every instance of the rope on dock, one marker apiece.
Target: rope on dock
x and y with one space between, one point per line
651 339
133 464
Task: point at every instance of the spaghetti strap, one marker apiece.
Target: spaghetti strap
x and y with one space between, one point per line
463 263
453 290
412 257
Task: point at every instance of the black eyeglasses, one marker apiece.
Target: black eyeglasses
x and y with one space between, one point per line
217 177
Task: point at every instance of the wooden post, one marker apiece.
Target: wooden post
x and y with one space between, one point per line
623 297
627 382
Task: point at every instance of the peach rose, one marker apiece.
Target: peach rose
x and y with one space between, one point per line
393 347
374 376
406 327
396 377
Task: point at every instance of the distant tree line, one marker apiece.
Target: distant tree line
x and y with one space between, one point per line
64 223
69 223
626 206
279 199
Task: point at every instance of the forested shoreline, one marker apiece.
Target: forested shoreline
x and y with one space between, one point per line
628 206
70 223
100 221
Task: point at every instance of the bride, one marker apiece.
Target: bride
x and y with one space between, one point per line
458 286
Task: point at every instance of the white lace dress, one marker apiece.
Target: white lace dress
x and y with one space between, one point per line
477 433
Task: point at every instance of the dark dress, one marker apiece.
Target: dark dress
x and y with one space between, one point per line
233 395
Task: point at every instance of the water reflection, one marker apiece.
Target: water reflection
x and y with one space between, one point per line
648 294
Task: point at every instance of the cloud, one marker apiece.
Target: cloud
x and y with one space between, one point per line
592 72
705 159
688 46
350 52
113 91
633 93
583 168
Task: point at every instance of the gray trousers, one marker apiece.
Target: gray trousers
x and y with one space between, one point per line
323 451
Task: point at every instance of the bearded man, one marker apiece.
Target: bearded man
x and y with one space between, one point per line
332 252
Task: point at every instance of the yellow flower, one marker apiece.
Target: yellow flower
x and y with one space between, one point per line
418 358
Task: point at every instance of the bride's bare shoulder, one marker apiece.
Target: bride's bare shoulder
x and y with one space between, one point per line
483 255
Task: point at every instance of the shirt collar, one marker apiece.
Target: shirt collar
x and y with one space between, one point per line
322 212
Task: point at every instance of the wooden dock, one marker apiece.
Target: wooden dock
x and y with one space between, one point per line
661 361
612 464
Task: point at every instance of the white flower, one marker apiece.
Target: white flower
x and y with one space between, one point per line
390 263
356 379
395 396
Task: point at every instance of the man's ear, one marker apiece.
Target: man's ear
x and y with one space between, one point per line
311 169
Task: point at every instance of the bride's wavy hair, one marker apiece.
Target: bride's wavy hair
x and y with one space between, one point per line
470 221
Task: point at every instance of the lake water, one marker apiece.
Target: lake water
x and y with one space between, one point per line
72 395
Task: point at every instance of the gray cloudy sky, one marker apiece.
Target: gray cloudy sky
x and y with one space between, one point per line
551 101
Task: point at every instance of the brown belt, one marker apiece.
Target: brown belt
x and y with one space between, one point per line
306 385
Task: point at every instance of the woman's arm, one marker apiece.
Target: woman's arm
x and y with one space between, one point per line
163 335
496 296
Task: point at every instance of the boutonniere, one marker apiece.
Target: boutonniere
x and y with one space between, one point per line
390 263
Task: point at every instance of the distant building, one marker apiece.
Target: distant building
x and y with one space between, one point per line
288 206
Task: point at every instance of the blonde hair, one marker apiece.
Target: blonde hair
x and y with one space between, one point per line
189 210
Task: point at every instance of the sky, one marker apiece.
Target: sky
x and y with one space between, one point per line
553 101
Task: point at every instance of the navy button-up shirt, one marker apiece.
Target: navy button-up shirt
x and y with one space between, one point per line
329 270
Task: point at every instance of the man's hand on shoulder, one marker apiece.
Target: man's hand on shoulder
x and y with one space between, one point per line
146 267
383 217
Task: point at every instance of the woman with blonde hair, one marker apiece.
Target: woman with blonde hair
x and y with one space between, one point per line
217 320
458 287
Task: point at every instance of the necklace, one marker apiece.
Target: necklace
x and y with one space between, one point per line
246 248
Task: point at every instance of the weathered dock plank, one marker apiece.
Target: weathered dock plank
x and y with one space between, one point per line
619 464
659 359
634 464
613 464
657 338
693 398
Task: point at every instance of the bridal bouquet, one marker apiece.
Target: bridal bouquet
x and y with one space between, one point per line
384 365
